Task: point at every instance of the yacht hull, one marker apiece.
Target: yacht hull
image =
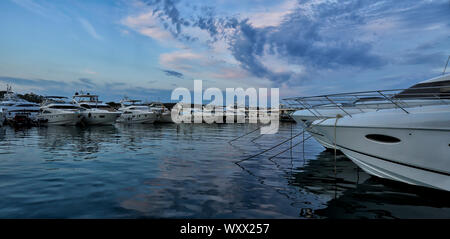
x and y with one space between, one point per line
100 118
137 118
60 119
165 117
417 153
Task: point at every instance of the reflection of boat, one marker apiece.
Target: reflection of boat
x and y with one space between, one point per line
348 104
79 142
94 111
56 110
376 198
406 144
319 177
133 113
22 120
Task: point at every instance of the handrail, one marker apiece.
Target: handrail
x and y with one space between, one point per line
366 92
398 98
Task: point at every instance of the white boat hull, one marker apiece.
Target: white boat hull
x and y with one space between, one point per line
60 119
138 118
306 117
100 118
419 156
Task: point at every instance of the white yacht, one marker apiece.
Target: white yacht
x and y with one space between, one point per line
348 104
412 147
237 113
57 110
95 112
409 143
134 113
13 105
213 114
185 113
164 114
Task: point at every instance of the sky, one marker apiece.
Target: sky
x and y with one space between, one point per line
144 49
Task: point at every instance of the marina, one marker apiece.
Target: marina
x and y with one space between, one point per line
225 110
326 147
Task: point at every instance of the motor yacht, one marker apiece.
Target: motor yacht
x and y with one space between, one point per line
135 113
187 113
13 105
348 104
164 114
234 114
411 147
213 114
95 112
57 110
408 142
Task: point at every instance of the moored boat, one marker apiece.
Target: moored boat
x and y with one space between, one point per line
95 112
57 110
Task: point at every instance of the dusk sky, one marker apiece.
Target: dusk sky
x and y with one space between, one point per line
145 49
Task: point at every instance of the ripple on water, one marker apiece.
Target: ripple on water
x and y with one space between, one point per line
180 171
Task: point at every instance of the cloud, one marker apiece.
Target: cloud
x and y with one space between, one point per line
183 60
147 25
273 16
32 82
173 73
109 91
200 65
42 9
31 6
85 82
418 58
305 41
298 38
89 28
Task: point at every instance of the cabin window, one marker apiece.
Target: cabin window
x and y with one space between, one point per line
381 138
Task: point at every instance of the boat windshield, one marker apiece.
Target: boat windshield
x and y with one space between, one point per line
86 106
427 90
26 105
64 107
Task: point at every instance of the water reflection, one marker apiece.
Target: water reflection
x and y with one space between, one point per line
189 171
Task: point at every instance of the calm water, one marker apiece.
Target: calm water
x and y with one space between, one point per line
189 171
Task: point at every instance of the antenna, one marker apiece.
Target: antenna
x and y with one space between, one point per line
445 68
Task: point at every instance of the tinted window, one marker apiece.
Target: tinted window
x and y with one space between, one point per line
63 107
440 89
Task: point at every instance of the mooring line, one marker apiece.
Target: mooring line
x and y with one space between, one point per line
338 116
243 135
291 147
269 148
259 136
